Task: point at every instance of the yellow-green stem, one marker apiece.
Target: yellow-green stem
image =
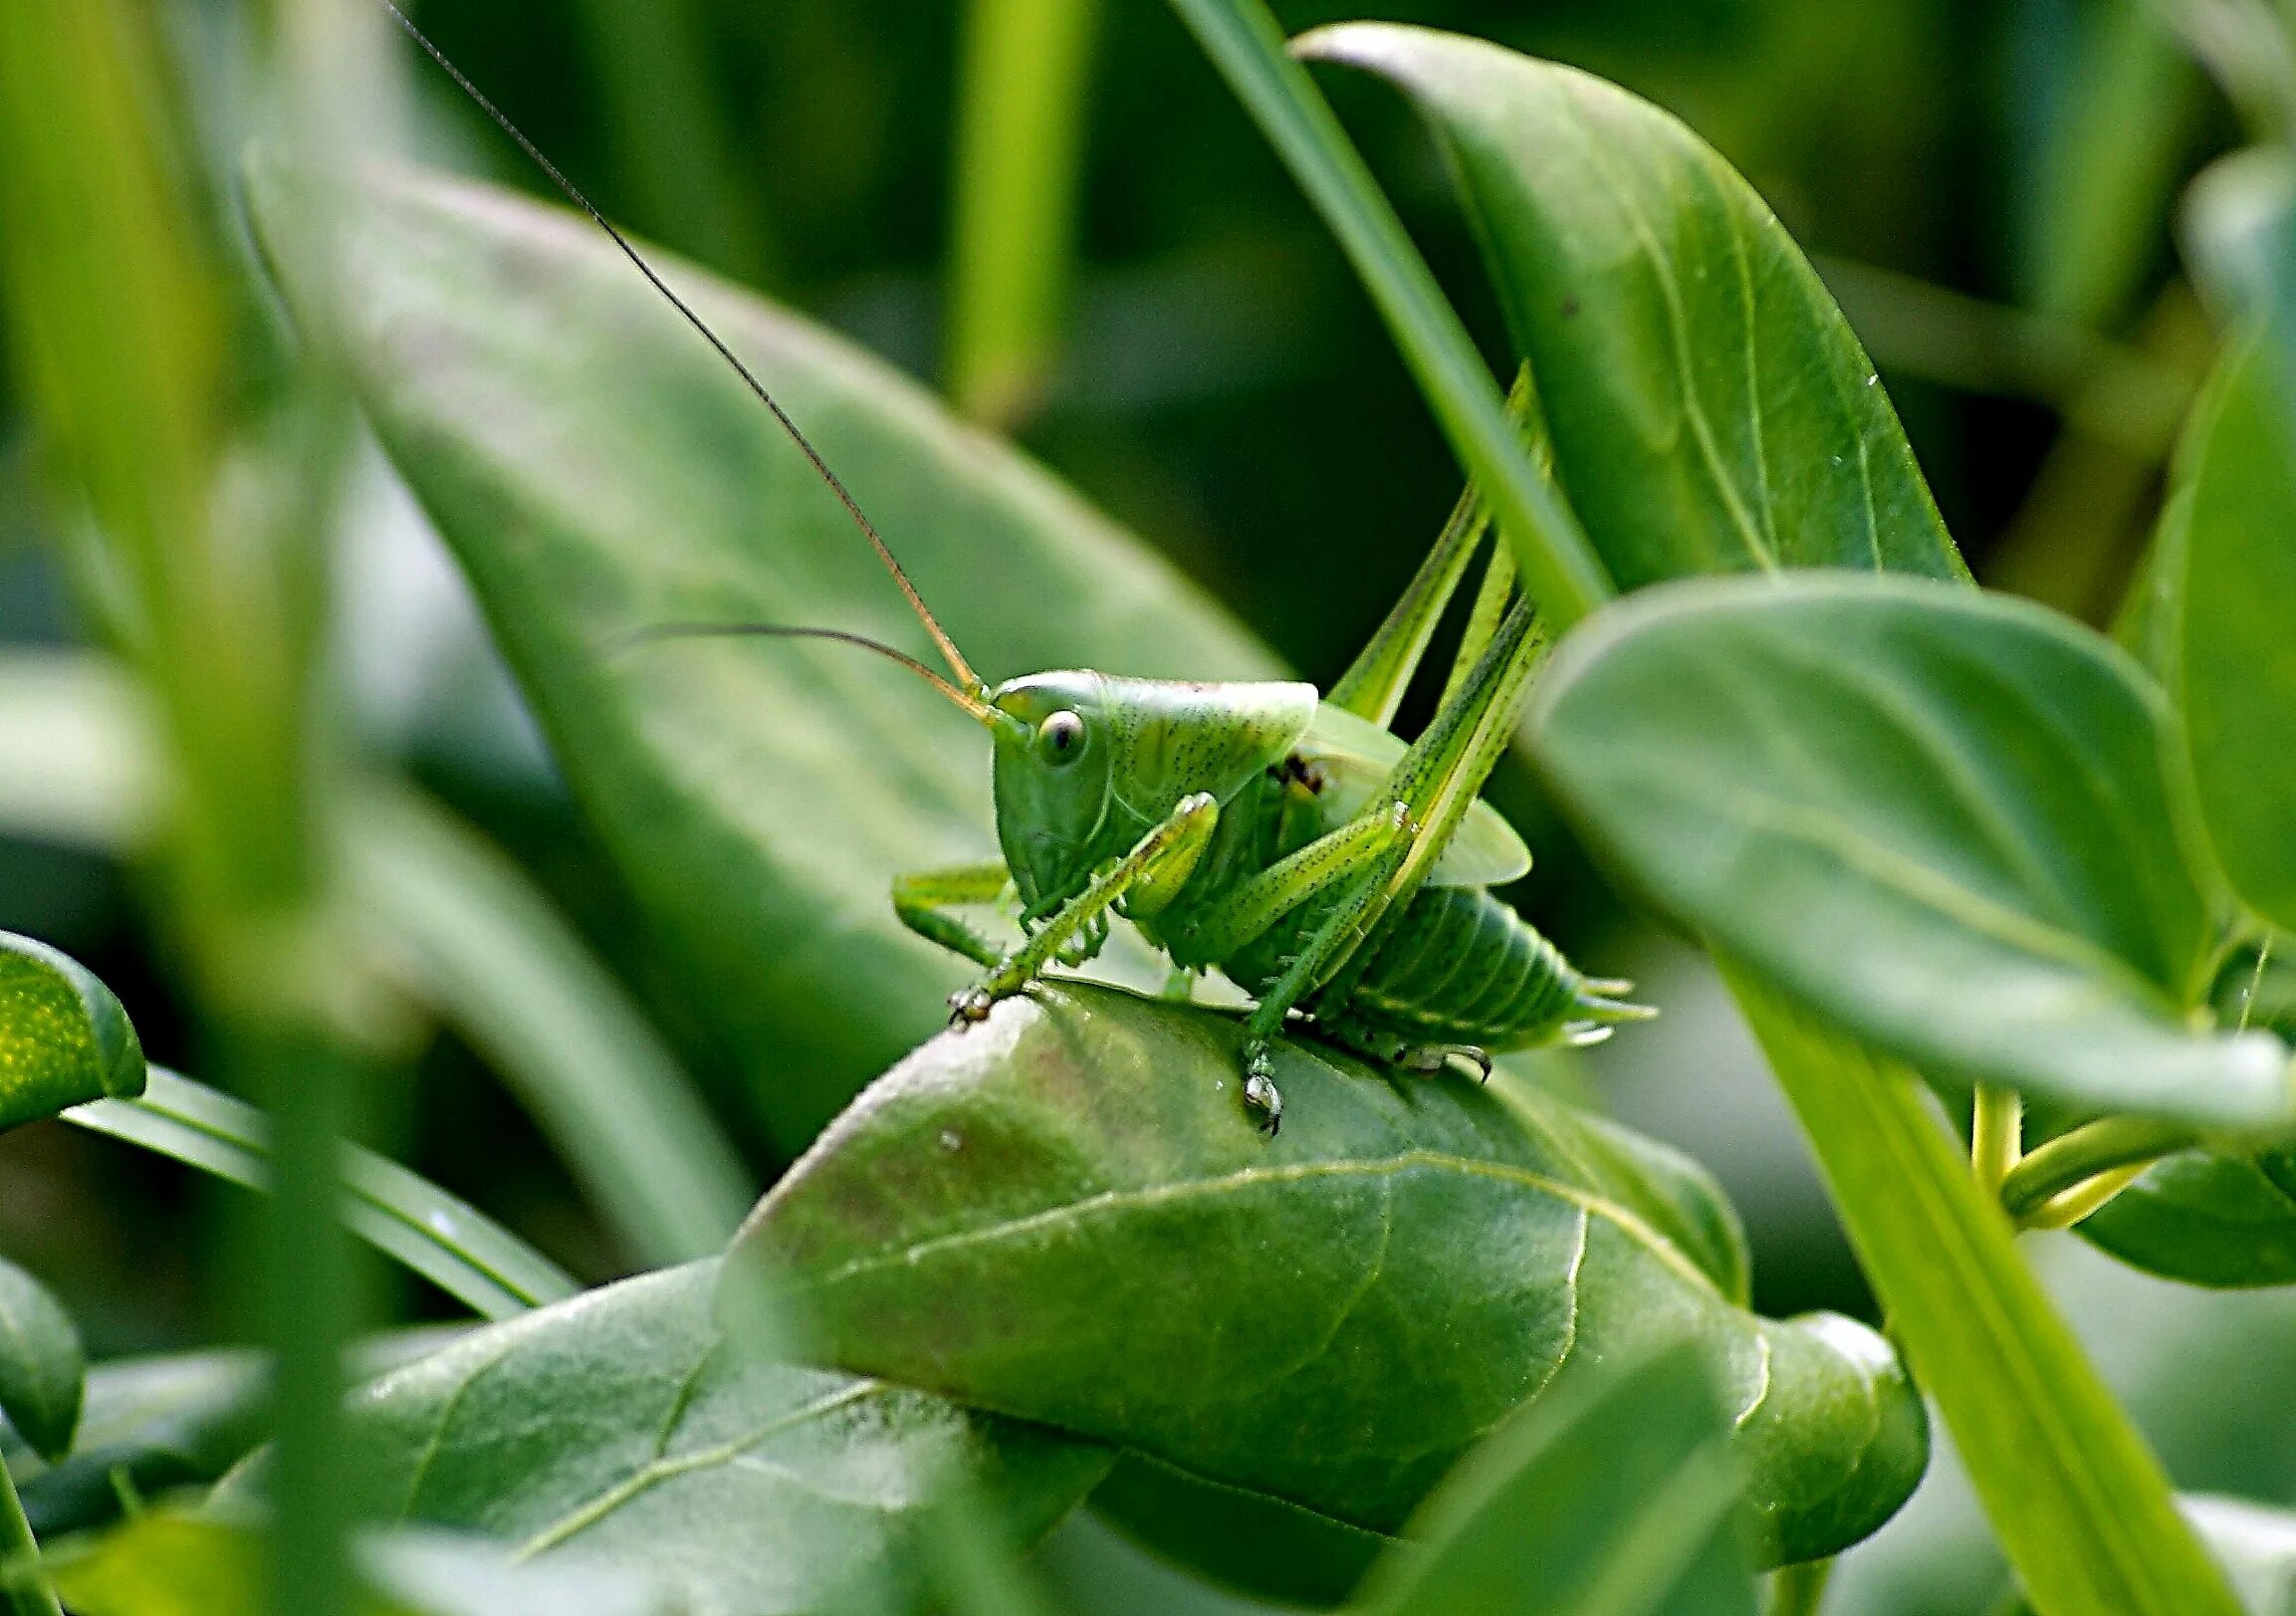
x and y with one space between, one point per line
2073 1159
1996 1135
1020 150
2087 1197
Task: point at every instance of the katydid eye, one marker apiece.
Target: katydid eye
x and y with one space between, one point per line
1061 738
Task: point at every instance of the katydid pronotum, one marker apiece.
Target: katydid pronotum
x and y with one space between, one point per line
1289 840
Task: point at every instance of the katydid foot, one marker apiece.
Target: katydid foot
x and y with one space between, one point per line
1430 1059
1259 1091
970 1005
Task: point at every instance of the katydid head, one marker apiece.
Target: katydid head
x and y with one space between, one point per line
1087 763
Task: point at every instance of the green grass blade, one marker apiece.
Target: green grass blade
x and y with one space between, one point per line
489 953
401 1213
2079 1502
1560 568
1021 121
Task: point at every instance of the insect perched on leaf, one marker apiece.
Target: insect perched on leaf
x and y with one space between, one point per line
1289 840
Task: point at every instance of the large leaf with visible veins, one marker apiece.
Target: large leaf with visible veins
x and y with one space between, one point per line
1710 411
622 1429
1066 1215
1940 818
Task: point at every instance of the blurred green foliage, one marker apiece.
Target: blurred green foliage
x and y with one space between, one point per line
1986 180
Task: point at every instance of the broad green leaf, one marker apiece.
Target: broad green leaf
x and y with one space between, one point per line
597 471
1066 1216
2078 1501
1938 816
1615 1496
170 1565
63 1039
439 1235
1710 409
2225 565
41 1368
164 1565
623 1429
1235 1537
2204 1218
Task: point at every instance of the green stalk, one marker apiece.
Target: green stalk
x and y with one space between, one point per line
2079 1502
1021 122
1560 568
400 1214
2073 1158
1799 1590
311 1306
23 1581
1996 1134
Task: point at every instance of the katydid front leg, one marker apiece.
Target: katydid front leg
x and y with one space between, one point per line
1164 854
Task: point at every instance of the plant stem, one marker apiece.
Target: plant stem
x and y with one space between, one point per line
2087 1197
310 1292
22 1579
2080 1503
402 1215
1799 1589
2072 1159
1996 1135
1020 148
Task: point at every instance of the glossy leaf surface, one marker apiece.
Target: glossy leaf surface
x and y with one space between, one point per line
1939 818
41 1368
597 471
1067 1215
64 1038
622 1429
1617 1497
1710 409
2227 568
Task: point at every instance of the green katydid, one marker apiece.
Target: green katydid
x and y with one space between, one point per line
1289 839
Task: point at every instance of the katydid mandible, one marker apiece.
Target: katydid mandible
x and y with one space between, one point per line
1287 839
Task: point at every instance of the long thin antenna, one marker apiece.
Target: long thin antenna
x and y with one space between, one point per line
967 699
957 663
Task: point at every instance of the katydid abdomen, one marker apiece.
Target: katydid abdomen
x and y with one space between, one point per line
1455 966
